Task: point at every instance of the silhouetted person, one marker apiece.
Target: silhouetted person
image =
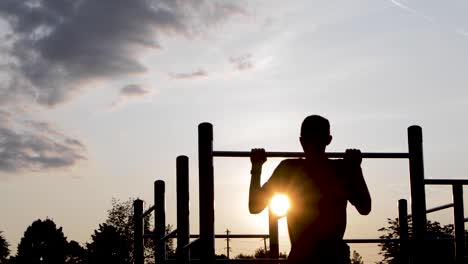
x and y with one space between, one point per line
318 189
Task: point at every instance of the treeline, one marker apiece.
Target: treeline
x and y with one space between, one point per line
112 242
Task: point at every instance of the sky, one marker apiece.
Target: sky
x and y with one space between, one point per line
98 98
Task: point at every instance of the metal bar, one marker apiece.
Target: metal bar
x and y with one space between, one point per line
438 208
459 223
273 228
138 250
368 155
446 181
159 221
222 235
206 192
147 212
418 195
171 234
183 211
192 243
371 240
234 261
404 233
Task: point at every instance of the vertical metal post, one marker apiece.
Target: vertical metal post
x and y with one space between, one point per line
418 195
183 210
459 222
138 250
206 189
403 222
159 222
273 228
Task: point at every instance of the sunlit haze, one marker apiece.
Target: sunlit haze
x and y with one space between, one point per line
279 204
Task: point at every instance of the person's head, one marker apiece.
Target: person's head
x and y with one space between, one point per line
315 134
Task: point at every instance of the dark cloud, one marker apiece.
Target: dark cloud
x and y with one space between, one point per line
243 62
59 45
27 145
133 90
52 48
189 75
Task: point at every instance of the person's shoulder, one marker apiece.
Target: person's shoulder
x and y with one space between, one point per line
291 162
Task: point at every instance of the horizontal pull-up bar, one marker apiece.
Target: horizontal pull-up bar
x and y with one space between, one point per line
446 181
366 155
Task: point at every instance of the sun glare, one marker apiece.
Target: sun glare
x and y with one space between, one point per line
279 204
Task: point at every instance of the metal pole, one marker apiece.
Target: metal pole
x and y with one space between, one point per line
283 154
418 196
138 250
206 189
404 236
183 210
273 227
459 223
159 222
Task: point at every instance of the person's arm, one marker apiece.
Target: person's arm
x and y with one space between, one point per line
360 196
258 199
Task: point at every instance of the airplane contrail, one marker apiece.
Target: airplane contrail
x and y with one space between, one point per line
411 10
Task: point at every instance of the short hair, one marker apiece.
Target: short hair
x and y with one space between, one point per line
315 125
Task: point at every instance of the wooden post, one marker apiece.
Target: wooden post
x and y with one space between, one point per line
273 228
159 222
206 192
418 195
459 223
138 250
404 236
183 210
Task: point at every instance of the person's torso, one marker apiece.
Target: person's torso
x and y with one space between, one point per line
318 194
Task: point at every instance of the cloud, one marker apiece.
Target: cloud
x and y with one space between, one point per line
57 46
189 75
132 92
243 62
27 145
50 50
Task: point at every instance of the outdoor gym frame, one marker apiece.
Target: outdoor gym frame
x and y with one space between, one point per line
206 238
206 178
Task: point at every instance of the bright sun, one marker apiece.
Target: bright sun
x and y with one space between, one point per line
279 204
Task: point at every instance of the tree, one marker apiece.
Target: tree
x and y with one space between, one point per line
120 216
4 250
261 253
441 251
75 253
42 242
109 245
356 258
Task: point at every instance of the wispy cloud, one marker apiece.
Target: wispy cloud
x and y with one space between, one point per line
189 75
411 10
132 92
243 62
27 145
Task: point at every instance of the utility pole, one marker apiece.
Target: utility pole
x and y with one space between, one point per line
264 245
228 249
